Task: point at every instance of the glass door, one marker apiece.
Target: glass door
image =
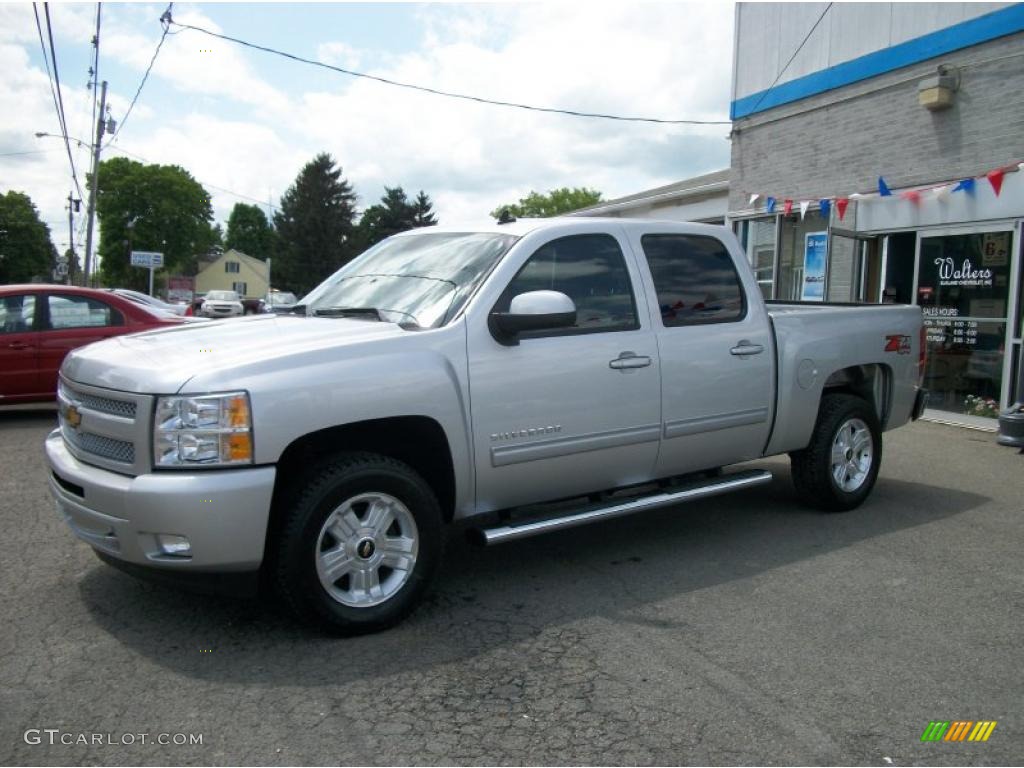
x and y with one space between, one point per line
964 288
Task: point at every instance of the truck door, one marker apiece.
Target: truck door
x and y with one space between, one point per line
717 353
574 410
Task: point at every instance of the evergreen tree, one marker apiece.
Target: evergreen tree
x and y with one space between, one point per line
423 211
314 226
393 214
249 231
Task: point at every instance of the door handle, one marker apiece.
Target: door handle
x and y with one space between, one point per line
629 360
19 345
745 348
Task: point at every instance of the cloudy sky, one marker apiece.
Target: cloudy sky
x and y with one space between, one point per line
244 122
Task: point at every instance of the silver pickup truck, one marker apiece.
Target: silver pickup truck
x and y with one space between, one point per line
471 376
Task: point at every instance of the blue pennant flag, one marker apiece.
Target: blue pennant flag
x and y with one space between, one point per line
883 188
967 185
825 207
769 205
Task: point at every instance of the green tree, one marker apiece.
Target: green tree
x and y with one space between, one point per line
393 214
249 231
151 208
554 203
26 250
315 226
74 266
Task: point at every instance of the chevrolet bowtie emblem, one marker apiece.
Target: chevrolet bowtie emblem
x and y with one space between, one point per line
72 417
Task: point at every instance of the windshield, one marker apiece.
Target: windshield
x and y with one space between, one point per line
222 296
425 277
278 297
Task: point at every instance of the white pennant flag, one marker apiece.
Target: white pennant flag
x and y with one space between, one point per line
942 193
804 205
753 199
856 196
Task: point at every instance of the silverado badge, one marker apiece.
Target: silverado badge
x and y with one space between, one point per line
72 417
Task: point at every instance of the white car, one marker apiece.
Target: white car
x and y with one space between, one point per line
222 304
150 301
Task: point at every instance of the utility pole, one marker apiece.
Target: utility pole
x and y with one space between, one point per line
93 185
72 207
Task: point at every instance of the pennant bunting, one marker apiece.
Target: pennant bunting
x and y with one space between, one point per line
883 188
912 195
753 199
841 204
824 207
804 205
995 178
787 206
942 193
966 185
769 204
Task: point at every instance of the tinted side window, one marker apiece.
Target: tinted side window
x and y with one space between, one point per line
695 279
17 314
81 312
590 270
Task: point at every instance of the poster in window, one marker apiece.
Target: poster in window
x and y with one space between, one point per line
815 264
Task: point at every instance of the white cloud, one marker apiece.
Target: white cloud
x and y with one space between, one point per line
218 115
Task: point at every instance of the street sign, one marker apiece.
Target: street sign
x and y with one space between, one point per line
61 269
61 259
148 259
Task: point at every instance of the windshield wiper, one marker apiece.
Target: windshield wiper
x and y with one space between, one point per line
370 313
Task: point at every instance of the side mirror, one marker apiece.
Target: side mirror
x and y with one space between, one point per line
533 311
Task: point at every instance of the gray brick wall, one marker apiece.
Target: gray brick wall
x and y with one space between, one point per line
841 141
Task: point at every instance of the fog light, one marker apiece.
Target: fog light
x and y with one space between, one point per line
173 546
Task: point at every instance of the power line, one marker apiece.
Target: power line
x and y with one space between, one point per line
53 93
60 97
438 92
165 23
798 49
28 152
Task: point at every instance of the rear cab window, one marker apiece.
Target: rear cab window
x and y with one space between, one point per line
695 280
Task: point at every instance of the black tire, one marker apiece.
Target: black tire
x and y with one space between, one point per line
330 487
813 468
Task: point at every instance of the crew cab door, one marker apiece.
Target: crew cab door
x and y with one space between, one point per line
717 351
568 411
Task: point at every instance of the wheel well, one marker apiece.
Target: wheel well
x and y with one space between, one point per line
417 441
871 382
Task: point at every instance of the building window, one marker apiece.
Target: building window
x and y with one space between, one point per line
232 266
796 250
240 289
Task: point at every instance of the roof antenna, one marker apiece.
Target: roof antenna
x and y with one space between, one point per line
506 217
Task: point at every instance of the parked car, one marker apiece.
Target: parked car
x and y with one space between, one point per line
249 306
485 376
280 302
221 304
151 301
40 324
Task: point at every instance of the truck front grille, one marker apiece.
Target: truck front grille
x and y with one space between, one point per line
120 451
106 428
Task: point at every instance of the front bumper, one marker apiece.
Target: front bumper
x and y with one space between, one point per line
223 513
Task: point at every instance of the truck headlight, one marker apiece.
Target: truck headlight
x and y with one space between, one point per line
203 430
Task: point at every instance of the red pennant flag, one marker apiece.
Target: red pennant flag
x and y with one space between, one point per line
912 195
995 178
787 207
841 204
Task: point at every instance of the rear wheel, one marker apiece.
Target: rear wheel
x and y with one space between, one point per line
360 544
838 469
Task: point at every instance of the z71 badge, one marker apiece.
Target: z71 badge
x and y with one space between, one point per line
898 344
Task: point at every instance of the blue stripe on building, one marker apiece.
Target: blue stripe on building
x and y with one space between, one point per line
991 26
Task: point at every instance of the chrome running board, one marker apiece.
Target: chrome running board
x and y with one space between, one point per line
716 487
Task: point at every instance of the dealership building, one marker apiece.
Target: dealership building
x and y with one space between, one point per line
876 157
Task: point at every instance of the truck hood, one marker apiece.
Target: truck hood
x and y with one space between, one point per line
163 361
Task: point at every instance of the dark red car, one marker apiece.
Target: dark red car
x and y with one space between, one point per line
39 324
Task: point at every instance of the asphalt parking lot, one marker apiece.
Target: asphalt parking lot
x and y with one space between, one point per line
743 629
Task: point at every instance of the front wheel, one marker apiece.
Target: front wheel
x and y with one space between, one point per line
838 469
360 544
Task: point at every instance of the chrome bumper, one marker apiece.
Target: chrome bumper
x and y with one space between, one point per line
222 513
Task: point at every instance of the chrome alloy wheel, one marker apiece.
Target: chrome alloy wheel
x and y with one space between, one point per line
852 455
366 550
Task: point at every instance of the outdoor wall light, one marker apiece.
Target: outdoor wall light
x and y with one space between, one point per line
936 93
